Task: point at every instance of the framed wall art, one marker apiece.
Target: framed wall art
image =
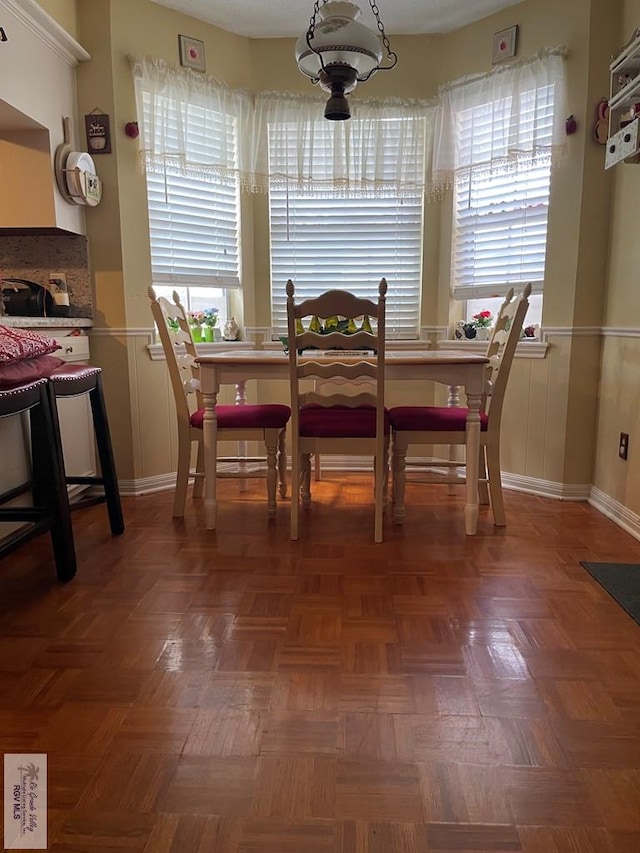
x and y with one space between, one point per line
505 44
191 53
96 125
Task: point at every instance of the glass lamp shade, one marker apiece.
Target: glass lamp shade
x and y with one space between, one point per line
341 41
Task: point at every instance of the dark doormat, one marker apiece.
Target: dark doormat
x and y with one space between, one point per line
621 581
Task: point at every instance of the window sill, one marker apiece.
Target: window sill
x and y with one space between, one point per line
525 348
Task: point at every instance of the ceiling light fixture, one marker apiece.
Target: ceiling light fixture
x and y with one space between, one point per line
339 52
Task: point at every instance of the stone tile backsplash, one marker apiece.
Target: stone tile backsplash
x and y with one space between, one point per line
34 256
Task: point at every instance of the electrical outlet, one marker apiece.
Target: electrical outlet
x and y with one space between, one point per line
623 447
59 279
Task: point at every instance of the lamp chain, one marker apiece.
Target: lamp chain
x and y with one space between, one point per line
312 20
385 40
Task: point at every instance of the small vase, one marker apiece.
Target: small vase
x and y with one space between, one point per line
482 334
208 334
196 334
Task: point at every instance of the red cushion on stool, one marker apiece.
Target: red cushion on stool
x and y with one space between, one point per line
339 422
262 416
431 419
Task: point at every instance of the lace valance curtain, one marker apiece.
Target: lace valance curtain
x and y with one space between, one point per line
489 123
190 121
382 150
485 123
180 111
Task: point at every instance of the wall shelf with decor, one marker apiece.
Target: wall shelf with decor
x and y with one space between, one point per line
623 142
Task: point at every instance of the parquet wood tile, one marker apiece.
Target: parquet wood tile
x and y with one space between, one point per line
234 692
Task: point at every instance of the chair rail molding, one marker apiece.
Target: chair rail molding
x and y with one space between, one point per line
619 332
572 331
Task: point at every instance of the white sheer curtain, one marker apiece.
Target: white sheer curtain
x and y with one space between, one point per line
191 121
495 122
380 151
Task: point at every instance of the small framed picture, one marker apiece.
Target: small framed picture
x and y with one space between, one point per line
191 53
505 44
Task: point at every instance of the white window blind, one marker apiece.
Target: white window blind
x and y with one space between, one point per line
500 219
344 239
194 216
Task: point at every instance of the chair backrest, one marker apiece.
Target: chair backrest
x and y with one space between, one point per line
502 346
179 350
339 320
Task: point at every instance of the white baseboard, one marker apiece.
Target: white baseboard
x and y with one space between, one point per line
616 511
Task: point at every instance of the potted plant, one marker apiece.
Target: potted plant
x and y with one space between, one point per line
482 322
210 322
196 319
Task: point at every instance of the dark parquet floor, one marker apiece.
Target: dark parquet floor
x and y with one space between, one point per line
233 692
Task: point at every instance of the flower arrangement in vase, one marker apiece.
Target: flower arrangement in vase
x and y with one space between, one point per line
482 322
210 322
196 319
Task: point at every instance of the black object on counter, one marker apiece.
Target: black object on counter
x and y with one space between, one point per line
24 298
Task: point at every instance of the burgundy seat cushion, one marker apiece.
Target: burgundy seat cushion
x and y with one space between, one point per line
264 416
431 419
27 370
340 422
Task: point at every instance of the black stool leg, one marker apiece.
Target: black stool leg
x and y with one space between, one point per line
105 454
49 486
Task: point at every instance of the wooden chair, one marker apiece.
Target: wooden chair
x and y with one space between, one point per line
437 425
265 423
336 421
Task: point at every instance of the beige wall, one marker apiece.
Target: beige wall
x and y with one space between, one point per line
619 404
64 11
551 413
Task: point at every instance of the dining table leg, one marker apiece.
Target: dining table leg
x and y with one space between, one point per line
210 436
471 508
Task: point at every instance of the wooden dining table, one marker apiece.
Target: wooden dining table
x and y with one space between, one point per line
455 369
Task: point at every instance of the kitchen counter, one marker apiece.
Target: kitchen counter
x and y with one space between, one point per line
47 322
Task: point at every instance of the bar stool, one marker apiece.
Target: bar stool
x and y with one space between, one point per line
73 380
50 509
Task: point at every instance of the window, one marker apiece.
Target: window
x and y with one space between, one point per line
345 239
500 219
193 227
190 142
498 136
500 237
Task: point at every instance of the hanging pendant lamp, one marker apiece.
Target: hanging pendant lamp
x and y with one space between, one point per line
339 52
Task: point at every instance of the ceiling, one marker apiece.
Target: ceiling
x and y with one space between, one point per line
290 18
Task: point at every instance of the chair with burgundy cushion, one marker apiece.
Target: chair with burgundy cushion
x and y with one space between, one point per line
345 414
265 423
49 508
438 425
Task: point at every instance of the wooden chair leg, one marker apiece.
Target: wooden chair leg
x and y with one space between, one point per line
282 463
295 493
495 483
305 479
379 495
483 487
105 455
399 480
182 476
49 484
198 483
271 442
317 469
